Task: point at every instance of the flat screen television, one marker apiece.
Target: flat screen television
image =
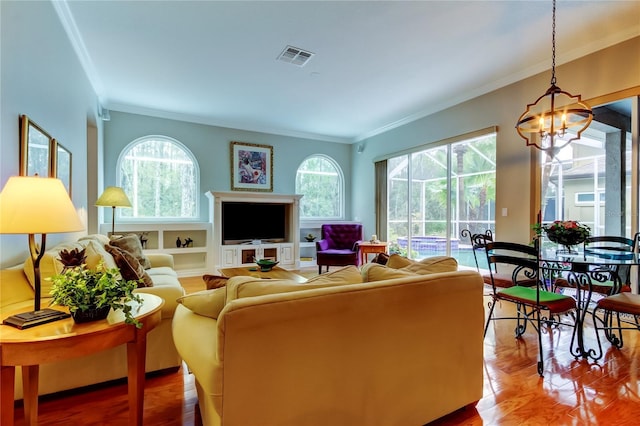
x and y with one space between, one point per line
244 222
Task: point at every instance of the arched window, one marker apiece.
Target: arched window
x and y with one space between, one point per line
320 180
161 177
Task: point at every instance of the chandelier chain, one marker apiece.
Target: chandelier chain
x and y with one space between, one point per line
553 45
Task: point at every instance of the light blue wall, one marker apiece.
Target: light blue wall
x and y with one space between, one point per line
211 147
42 78
605 72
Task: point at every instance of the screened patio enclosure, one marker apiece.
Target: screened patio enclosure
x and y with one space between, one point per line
435 193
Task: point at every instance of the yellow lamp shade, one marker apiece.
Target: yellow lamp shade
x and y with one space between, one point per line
37 205
113 196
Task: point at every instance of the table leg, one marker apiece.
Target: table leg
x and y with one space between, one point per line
7 380
136 352
30 391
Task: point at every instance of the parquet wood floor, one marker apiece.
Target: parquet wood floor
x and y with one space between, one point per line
572 392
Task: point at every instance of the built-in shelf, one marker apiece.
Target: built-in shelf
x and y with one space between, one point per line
191 260
285 251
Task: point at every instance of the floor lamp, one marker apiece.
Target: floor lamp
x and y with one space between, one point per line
36 205
113 197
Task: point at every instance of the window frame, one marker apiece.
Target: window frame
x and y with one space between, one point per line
341 184
187 151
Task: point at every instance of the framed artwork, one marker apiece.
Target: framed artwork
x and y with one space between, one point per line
251 167
62 164
36 149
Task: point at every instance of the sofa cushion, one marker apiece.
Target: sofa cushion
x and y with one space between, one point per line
100 238
208 303
376 272
130 268
347 275
429 265
239 287
397 261
169 289
161 270
432 265
131 243
13 288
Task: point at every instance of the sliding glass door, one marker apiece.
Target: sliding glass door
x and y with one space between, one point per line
436 192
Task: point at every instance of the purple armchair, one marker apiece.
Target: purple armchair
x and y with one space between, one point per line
338 245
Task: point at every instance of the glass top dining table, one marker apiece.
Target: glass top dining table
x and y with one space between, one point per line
583 270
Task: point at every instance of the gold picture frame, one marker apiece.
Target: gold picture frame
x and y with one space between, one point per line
251 167
62 164
36 147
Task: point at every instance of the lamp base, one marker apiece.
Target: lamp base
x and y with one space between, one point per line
34 318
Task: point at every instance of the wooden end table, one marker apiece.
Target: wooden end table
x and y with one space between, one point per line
65 339
366 248
276 273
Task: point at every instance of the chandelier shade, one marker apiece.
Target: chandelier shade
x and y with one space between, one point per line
555 118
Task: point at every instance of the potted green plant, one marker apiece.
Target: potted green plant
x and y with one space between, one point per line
90 294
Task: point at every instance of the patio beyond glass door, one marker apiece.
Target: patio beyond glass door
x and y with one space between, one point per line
589 180
435 193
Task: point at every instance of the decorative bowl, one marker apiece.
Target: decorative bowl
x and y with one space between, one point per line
266 264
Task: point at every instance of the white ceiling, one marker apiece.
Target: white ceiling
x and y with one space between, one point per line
377 64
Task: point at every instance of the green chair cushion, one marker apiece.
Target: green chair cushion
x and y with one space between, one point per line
554 302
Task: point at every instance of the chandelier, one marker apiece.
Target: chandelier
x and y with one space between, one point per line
557 117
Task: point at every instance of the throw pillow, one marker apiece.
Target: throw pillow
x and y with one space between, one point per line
347 275
96 253
214 281
376 272
208 303
131 243
130 268
381 258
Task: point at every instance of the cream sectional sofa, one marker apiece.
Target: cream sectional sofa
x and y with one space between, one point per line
16 293
403 349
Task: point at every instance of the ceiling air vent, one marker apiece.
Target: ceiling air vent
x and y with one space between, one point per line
295 56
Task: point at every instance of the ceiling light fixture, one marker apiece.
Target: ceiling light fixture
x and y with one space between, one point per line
557 117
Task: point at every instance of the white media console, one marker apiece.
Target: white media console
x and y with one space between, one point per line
231 253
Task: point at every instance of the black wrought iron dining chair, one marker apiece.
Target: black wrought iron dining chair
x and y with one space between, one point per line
529 299
478 247
478 242
608 247
615 313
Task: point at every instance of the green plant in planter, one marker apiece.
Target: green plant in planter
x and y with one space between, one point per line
82 289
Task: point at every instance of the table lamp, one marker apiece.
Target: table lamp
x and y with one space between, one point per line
36 205
114 197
